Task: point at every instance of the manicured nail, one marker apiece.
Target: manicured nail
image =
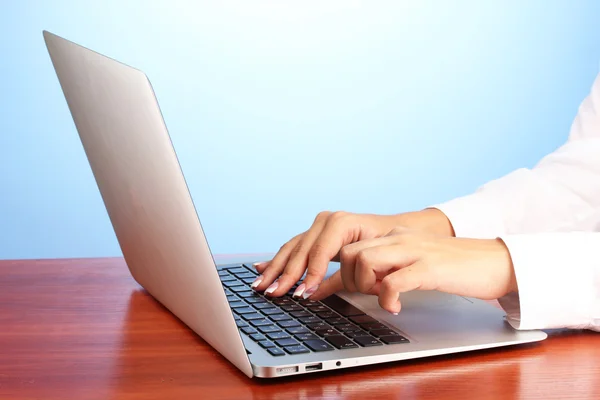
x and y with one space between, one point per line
395 313
256 282
309 292
299 290
258 264
272 288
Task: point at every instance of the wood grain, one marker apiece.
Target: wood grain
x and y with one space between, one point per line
83 329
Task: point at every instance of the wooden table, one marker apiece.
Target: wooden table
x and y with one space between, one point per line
83 329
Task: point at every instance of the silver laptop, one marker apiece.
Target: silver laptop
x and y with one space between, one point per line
139 177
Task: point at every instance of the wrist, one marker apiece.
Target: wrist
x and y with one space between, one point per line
430 220
506 261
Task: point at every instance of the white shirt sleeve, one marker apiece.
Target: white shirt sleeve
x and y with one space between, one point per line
549 218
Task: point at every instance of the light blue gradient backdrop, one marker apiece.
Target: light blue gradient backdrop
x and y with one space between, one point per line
295 107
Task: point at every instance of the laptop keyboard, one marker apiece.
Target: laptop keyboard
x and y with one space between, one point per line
285 325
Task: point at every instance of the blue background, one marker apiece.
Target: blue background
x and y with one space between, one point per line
281 109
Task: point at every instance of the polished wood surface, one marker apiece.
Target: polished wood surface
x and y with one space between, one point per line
83 329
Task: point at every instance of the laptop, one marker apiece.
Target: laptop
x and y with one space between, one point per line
133 161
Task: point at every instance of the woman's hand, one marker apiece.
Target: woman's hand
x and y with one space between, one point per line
406 260
312 250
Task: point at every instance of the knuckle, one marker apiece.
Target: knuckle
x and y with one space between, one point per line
317 250
322 215
345 255
339 215
387 284
297 250
398 230
362 259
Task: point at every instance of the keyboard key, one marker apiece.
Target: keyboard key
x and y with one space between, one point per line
367 341
278 335
280 317
241 324
291 307
237 304
288 324
260 322
246 294
255 300
266 344
248 330
249 317
244 310
233 283
383 332
228 278
328 315
306 336
246 275
275 351
347 328
269 329
299 314
232 297
282 300
393 339
297 350
317 345
319 325
251 270
297 329
237 270
354 334
327 332
271 311
248 281
223 273
239 288
287 342
262 306
308 302
373 325
318 308
341 342
310 320
340 305
257 337
362 319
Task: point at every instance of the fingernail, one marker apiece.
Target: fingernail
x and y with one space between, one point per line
257 264
256 282
309 292
395 313
272 288
299 290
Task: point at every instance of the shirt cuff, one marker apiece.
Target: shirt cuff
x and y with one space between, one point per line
473 216
555 279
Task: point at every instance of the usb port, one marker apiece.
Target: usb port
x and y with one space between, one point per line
314 367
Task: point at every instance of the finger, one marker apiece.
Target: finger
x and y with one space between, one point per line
348 256
274 267
334 284
331 285
260 266
375 263
340 230
298 259
414 277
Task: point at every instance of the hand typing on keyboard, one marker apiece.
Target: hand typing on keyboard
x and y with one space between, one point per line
387 264
310 252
